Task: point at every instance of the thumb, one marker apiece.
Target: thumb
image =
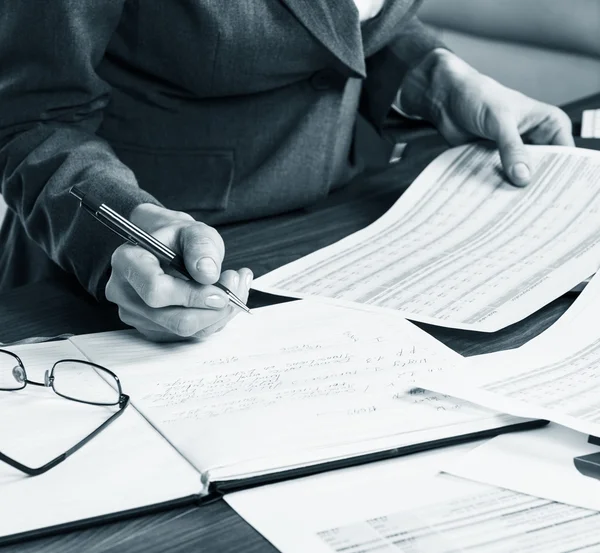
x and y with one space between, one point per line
202 250
513 154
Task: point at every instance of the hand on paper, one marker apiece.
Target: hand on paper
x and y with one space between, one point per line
465 105
161 304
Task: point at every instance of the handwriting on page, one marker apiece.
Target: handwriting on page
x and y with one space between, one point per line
293 384
302 373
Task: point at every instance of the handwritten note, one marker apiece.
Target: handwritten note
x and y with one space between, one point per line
462 247
301 380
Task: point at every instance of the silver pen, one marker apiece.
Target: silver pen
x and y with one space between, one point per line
138 237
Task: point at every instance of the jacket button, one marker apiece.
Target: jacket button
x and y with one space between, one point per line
326 79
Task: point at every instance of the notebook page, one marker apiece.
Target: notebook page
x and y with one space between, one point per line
462 247
556 376
128 465
400 505
296 383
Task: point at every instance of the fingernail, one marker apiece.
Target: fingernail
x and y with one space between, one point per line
218 302
249 279
521 172
207 266
236 280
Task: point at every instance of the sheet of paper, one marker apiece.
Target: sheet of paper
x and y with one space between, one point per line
399 506
537 462
555 376
590 123
126 466
294 384
463 248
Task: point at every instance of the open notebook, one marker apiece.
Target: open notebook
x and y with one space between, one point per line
296 388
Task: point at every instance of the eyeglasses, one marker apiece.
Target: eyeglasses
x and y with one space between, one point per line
71 379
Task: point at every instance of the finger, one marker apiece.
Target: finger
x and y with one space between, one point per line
203 250
184 322
245 278
147 328
142 271
513 154
231 280
555 128
160 337
151 330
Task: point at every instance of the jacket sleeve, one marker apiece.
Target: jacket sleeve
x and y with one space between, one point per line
51 105
386 68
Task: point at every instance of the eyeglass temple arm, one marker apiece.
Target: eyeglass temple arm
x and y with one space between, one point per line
124 402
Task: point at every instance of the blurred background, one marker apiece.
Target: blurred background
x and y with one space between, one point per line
548 49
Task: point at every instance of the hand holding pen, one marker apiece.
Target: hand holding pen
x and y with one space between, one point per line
149 288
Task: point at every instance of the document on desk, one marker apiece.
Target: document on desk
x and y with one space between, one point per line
127 466
393 507
462 247
538 462
556 376
296 385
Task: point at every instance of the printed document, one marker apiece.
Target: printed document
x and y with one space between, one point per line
555 376
462 247
395 507
537 462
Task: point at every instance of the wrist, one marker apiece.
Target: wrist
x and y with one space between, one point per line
426 86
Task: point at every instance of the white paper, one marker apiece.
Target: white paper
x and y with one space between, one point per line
537 462
295 384
462 247
555 376
590 123
399 506
128 465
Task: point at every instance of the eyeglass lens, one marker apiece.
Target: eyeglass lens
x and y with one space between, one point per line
73 380
82 382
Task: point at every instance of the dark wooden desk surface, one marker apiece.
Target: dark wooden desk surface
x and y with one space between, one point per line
48 309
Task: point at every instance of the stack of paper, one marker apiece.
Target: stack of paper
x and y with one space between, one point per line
401 506
556 376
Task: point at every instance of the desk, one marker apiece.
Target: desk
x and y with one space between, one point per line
48 308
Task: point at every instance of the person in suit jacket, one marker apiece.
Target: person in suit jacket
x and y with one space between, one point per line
187 114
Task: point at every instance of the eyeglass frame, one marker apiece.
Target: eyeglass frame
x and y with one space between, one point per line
122 402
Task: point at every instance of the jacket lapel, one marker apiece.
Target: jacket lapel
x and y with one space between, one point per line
335 24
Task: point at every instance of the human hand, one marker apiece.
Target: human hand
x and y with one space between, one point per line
465 105
165 307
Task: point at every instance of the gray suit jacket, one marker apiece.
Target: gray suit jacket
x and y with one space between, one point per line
228 109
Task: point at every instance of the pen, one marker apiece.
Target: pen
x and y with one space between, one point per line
138 237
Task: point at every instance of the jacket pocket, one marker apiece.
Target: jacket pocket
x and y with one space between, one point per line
184 180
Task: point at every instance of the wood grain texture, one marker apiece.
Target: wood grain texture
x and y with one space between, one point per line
52 308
